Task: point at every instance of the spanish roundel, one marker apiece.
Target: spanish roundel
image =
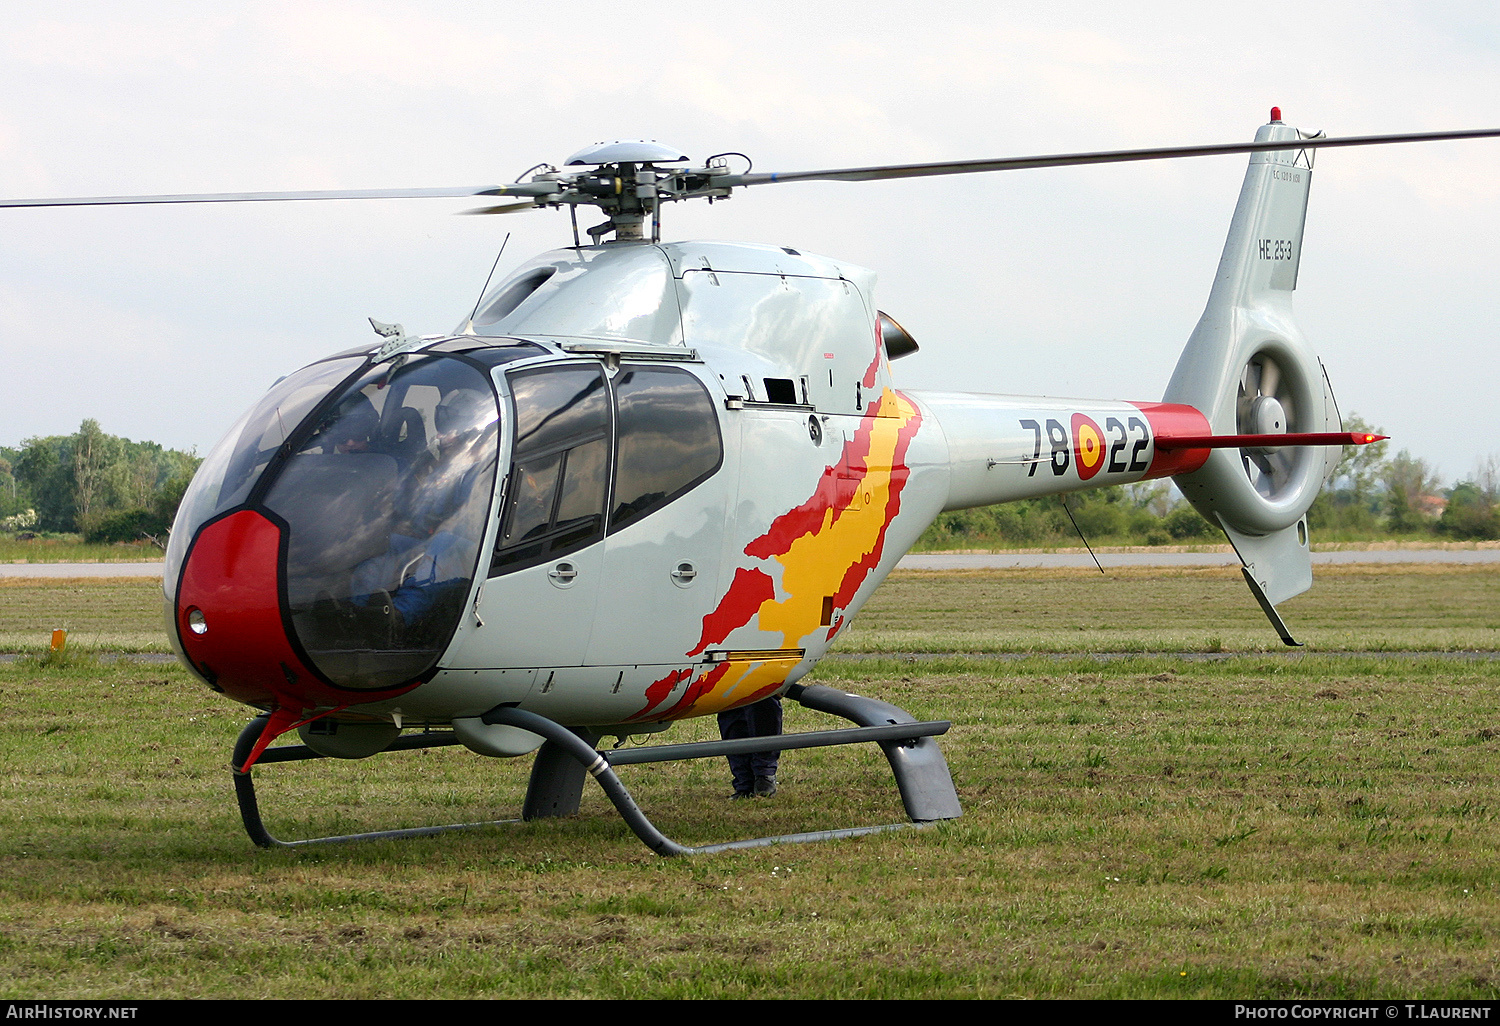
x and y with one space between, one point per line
1088 446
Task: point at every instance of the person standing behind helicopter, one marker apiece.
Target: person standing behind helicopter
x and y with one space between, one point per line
755 773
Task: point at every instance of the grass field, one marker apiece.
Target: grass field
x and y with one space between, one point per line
73 549
100 614
1246 824
1359 607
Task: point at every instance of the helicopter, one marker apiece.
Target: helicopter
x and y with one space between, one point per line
647 480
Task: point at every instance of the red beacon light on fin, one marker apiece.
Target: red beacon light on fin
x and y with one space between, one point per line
1276 115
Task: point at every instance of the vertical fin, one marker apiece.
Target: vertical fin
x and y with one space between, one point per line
1247 365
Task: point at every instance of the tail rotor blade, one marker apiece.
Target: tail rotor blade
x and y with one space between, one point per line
1270 376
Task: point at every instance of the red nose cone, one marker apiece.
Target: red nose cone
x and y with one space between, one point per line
229 615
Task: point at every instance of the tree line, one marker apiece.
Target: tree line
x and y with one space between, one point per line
1374 492
99 485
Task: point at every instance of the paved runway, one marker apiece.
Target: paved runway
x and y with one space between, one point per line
921 561
80 569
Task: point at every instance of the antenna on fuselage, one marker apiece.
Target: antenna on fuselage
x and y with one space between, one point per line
1080 534
469 327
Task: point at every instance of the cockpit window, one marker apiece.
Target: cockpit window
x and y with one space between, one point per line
555 406
273 421
654 426
385 505
668 439
237 462
561 465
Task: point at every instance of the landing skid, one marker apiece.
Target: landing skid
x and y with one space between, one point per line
568 756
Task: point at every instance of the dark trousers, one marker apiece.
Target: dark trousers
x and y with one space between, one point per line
762 719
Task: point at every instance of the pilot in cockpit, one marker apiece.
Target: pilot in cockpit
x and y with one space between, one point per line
437 529
355 425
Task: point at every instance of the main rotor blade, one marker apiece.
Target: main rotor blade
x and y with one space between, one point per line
517 189
503 208
966 167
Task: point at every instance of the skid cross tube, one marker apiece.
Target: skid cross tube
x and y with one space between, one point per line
891 735
568 755
778 743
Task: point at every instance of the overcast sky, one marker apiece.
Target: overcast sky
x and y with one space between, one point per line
165 323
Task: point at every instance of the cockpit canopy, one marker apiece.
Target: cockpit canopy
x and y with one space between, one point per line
380 479
375 483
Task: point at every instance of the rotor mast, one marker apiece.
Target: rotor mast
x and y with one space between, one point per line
626 182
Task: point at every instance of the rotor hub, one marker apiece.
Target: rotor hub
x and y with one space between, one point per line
1267 416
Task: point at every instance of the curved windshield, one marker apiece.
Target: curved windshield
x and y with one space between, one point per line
385 506
236 463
